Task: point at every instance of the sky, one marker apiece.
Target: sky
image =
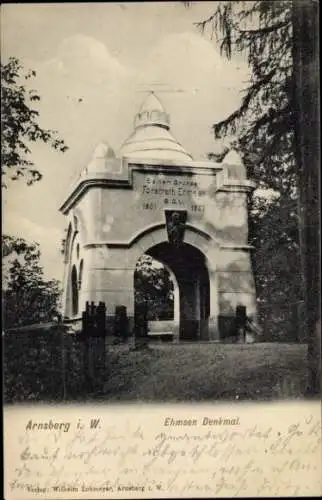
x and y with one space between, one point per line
95 63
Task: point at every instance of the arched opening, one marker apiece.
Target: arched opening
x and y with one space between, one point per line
153 285
191 279
74 291
68 242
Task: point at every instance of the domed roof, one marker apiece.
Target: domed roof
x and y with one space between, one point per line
235 166
103 157
151 103
151 112
233 157
151 137
103 150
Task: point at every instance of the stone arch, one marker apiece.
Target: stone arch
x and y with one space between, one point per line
75 223
68 241
189 264
157 233
73 247
81 225
72 233
71 266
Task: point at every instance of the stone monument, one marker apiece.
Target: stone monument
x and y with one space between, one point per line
153 198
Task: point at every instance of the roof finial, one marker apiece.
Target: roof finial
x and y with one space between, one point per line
152 112
152 137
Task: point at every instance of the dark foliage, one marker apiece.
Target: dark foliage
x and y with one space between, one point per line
263 124
27 296
20 124
154 287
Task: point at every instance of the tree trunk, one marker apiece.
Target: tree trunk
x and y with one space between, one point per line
306 103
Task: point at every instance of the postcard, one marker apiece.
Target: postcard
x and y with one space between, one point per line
161 287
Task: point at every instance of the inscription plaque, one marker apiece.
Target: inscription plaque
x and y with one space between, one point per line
159 191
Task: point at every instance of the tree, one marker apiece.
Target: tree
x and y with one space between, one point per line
262 32
277 129
19 124
152 284
28 297
307 144
279 281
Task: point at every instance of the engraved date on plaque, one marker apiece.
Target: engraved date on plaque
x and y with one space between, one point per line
181 192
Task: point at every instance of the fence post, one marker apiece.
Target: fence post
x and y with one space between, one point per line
121 323
94 339
100 337
101 319
141 325
241 316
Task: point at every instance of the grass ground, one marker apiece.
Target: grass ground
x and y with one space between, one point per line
162 372
207 372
